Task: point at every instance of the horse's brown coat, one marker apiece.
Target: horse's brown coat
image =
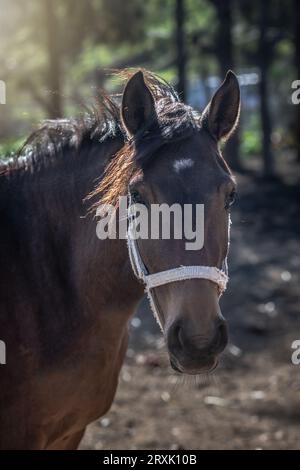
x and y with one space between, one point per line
65 296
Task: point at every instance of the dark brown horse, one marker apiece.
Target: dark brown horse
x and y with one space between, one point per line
65 296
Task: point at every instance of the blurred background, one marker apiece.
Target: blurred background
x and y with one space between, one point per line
55 55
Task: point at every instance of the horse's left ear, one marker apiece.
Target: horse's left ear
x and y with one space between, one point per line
138 107
222 114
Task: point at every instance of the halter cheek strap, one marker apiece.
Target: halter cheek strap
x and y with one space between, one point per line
182 273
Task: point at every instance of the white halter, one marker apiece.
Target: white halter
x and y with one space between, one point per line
181 273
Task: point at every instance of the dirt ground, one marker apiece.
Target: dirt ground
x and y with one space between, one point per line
253 400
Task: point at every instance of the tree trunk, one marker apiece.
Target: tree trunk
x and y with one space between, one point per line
180 48
264 54
224 48
54 65
297 64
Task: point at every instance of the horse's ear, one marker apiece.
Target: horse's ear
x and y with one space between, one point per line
222 114
138 107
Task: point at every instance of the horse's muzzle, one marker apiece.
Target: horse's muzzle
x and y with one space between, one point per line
196 354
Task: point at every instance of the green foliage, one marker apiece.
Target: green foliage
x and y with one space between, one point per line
10 147
90 37
251 137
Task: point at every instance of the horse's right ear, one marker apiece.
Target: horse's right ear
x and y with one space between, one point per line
138 107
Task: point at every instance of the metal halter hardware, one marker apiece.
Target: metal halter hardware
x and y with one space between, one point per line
181 273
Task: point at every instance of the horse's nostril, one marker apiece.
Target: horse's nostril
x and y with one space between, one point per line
175 337
221 337
180 337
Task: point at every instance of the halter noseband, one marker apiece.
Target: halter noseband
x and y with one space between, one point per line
182 273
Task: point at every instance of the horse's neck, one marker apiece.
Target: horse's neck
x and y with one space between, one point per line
69 266
105 276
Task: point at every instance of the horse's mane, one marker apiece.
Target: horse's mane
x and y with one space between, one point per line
54 138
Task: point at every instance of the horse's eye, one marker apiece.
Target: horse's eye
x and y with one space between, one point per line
136 197
230 199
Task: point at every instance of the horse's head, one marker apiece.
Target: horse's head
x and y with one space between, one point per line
179 160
